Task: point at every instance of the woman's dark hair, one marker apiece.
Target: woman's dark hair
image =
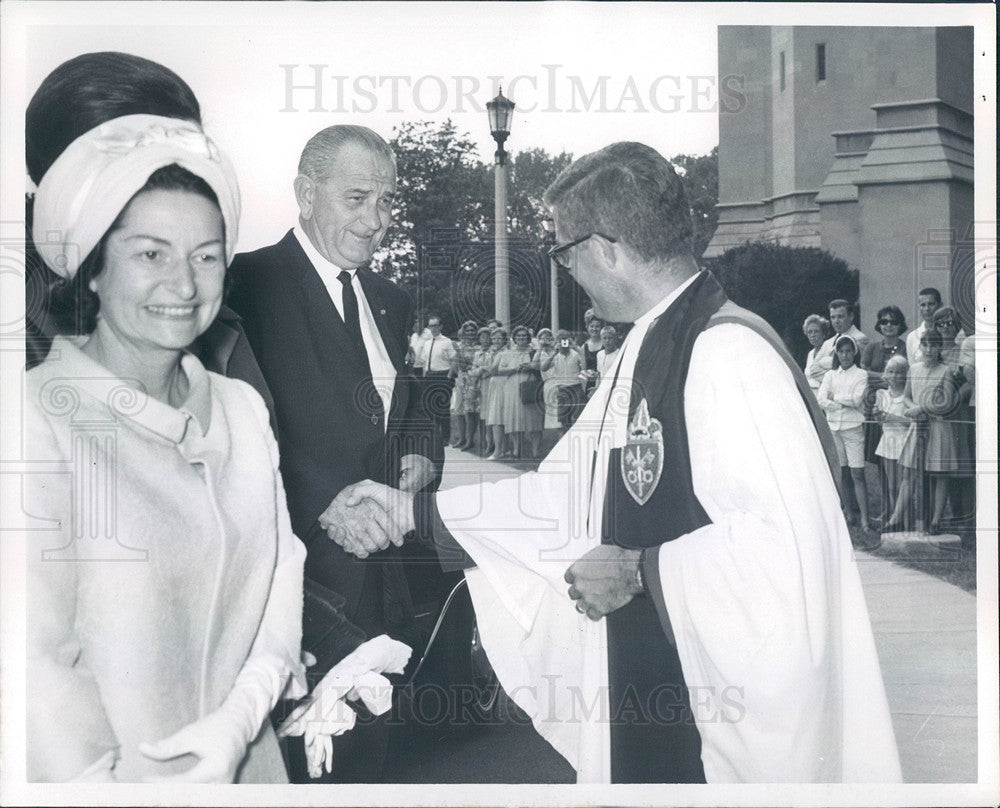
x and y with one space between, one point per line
73 305
895 313
77 96
845 340
92 89
948 313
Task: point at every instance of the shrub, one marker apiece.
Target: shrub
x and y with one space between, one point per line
784 285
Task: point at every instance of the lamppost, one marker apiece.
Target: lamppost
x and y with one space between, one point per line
549 227
501 110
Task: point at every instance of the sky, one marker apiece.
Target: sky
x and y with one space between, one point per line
269 75
581 75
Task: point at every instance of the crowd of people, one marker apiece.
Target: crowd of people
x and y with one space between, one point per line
905 403
500 392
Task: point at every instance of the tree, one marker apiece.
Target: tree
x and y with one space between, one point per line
700 176
440 248
531 172
440 186
784 284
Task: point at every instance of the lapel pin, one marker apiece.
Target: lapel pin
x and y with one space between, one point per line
381 311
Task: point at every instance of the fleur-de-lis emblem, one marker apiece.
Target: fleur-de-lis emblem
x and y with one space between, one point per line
642 455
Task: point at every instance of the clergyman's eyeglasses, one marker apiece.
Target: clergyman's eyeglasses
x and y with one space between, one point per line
559 249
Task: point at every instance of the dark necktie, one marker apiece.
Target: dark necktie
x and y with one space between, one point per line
351 318
352 321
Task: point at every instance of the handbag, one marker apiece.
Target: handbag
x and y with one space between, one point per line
531 387
531 390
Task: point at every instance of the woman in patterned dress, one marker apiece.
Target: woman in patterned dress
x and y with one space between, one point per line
930 444
481 362
491 404
466 387
516 366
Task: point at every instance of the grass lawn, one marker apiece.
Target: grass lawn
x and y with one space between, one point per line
954 563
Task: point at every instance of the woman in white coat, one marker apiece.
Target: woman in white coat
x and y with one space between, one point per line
165 596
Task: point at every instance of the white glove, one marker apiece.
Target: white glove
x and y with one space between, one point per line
325 712
220 739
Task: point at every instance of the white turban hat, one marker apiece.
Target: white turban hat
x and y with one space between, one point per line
92 181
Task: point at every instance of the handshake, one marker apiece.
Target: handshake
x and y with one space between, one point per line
367 517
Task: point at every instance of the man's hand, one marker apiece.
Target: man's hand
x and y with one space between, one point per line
360 526
603 580
367 517
415 471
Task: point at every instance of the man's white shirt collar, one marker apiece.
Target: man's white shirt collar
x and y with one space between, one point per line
328 271
647 319
627 355
383 371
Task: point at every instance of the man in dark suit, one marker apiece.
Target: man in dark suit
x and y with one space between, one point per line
331 340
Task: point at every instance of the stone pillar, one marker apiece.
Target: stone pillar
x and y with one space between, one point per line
915 206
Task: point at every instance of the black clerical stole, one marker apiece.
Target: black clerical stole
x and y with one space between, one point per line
654 738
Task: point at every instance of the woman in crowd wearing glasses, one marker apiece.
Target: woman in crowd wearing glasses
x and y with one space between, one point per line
947 324
891 325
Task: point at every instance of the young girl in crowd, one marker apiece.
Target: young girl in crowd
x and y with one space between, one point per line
890 409
842 397
931 444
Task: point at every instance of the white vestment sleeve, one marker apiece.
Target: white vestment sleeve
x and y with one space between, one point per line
765 602
523 534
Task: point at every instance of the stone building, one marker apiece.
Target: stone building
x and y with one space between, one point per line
856 140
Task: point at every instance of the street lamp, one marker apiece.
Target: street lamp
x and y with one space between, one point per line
549 227
501 110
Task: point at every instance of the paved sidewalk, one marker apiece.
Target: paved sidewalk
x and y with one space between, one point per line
925 631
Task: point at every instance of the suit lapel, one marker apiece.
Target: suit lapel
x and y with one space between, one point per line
320 314
379 310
